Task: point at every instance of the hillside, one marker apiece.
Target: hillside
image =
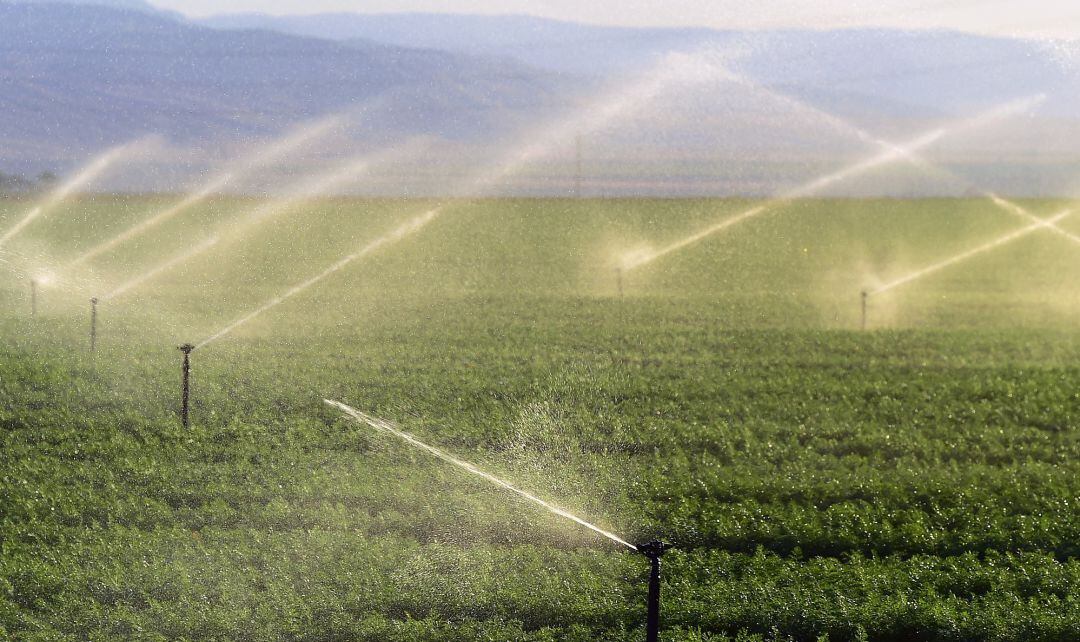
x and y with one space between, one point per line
78 78
904 67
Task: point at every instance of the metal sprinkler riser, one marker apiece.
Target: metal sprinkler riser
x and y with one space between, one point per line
653 550
93 323
865 297
186 378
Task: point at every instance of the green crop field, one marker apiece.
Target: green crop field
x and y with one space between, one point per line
917 481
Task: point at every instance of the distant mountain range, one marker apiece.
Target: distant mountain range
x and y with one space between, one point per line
80 76
135 5
941 71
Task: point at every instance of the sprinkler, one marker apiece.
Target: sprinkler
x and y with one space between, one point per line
186 375
653 550
93 323
619 280
865 296
33 298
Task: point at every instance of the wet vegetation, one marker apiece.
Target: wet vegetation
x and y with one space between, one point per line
917 481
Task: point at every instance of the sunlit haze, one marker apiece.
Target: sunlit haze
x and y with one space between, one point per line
1053 18
427 320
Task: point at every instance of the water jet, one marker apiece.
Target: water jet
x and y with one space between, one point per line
652 550
409 227
160 269
889 154
1047 224
388 427
33 298
85 176
607 109
268 155
1015 208
310 189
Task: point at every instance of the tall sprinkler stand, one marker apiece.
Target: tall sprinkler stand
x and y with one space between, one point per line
186 375
865 296
93 324
654 550
33 298
619 280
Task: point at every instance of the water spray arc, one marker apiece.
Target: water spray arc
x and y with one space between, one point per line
1042 224
652 550
82 178
611 106
672 70
1009 206
320 185
163 267
916 159
910 154
313 187
388 427
986 247
1014 208
889 154
135 282
267 156
404 230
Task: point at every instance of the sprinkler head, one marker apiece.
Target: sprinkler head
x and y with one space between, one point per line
186 348
654 549
43 279
94 300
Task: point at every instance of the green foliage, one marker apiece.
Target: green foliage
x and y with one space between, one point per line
914 483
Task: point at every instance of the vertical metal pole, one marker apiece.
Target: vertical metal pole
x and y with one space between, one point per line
186 375
33 298
865 296
652 630
653 550
93 323
577 175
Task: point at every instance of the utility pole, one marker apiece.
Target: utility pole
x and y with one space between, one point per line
578 171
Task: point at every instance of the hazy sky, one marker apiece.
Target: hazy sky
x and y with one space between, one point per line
1050 18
